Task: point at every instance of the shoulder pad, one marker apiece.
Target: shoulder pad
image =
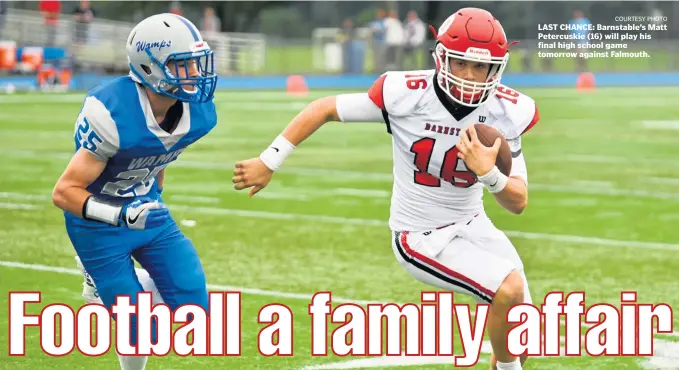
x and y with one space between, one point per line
95 130
398 93
515 112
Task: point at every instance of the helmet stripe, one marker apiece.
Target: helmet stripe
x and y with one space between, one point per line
191 28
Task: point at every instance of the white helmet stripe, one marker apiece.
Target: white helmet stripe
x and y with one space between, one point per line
444 27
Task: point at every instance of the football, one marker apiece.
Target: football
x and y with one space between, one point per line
487 136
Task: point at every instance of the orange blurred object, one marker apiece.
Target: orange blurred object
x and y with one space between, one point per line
585 82
51 76
65 76
8 55
46 75
32 57
296 85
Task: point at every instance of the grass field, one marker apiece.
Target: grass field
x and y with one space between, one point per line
602 216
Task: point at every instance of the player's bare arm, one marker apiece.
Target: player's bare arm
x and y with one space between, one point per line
71 195
514 196
255 173
70 191
310 119
160 179
513 192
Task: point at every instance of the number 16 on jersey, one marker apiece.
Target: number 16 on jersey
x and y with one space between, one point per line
453 169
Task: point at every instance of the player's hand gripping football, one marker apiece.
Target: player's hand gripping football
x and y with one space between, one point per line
479 158
251 173
143 214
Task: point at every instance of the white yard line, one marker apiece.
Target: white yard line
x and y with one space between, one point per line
35 154
592 240
268 106
580 190
630 193
381 223
20 206
362 192
23 196
230 288
369 222
663 180
592 158
588 186
594 183
42 133
372 222
195 199
42 98
661 125
279 216
284 195
374 176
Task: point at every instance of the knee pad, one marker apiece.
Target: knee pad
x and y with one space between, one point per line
189 288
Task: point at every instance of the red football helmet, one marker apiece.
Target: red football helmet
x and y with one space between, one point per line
474 35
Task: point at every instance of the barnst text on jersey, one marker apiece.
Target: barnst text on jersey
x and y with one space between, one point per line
432 186
117 126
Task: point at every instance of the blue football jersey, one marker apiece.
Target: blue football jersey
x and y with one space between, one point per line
116 124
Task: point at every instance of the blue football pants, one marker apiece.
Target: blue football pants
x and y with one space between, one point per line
169 257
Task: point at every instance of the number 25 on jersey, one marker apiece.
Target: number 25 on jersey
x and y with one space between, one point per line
87 137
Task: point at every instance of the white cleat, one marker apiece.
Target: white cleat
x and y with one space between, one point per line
89 289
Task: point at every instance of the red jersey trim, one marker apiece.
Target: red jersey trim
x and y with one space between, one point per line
376 92
536 118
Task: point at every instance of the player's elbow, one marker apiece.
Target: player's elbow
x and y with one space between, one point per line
517 196
515 204
325 107
59 195
520 206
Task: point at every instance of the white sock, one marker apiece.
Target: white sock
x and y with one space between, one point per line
91 295
516 365
139 362
132 362
92 299
149 286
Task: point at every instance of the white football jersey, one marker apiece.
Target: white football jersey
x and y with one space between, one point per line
432 186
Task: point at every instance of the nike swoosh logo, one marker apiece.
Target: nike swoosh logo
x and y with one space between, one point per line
276 149
131 220
494 183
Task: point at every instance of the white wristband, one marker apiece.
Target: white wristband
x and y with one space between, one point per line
276 153
494 180
97 210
